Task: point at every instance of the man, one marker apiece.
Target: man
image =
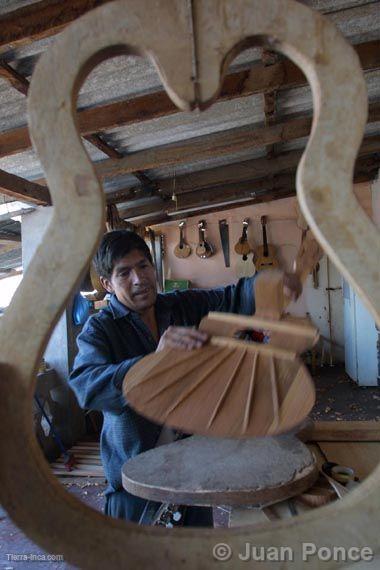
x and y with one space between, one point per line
139 321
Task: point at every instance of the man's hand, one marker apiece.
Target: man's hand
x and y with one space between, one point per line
182 338
292 286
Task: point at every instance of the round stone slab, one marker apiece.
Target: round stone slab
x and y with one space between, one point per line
213 471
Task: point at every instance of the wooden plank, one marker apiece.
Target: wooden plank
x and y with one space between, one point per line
258 79
23 190
41 19
256 191
346 431
363 457
5 274
14 78
6 237
97 141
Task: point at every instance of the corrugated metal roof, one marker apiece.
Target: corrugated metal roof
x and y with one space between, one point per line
121 78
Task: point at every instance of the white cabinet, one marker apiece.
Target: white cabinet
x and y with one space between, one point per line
360 340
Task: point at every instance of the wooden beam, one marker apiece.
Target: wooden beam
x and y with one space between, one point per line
264 189
270 58
97 141
246 170
9 237
23 190
8 246
212 145
4 274
342 431
258 79
249 169
223 193
14 78
41 19
152 216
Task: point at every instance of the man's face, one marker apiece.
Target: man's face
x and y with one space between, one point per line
133 281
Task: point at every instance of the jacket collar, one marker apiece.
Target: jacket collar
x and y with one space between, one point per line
163 304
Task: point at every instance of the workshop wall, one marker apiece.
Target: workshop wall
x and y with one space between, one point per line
283 232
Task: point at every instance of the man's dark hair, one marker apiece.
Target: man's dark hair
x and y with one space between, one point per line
114 246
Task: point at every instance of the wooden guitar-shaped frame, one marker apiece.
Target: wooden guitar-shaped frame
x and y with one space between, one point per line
160 30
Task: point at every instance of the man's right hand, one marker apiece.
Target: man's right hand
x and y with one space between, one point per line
183 338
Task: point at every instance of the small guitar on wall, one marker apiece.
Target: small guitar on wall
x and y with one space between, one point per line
266 253
182 250
204 248
242 247
244 264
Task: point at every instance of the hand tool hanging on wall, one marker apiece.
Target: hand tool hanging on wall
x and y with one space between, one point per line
182 249
204 248
157 247
225 240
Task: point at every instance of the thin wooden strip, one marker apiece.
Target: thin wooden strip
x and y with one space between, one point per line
344 431
264 324
248 406
148 363
264 349
179 378
78 473
206 372
226 389
274 393
153 368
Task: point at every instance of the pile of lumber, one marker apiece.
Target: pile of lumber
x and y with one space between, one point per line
86 461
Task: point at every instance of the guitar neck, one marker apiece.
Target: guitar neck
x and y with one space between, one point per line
181 237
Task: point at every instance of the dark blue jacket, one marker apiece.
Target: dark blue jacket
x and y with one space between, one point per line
114 340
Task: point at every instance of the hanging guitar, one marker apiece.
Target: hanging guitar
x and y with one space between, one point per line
244 266
182 249
204 248
242 247
266 253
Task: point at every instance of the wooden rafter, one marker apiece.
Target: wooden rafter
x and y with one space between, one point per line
41 19
9 237
235 173
257 79
250 169
235 194
24 190
270 58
